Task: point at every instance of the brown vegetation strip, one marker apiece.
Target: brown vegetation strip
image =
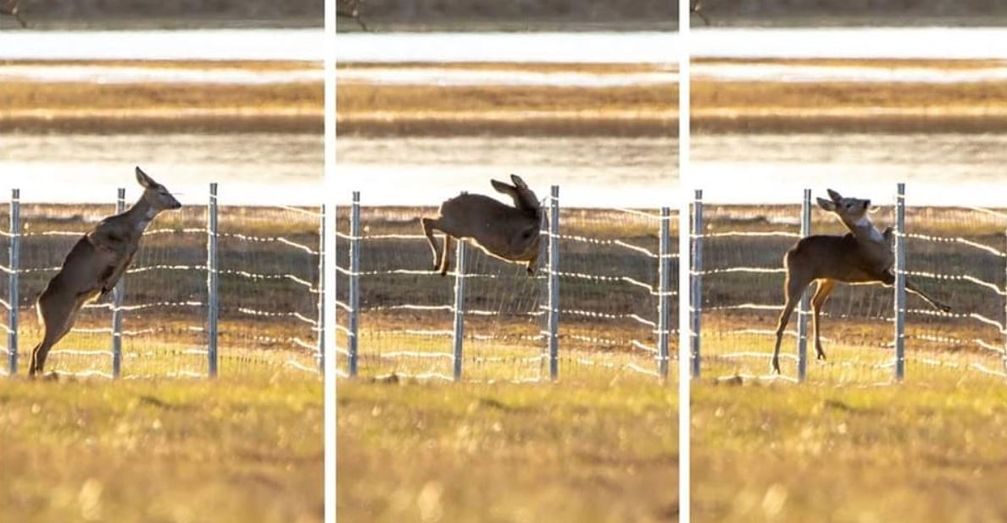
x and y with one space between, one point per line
127 97
517 66
858 62
848 107
232 124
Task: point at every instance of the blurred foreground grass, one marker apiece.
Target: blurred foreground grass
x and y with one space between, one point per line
162 450
581 451
923 451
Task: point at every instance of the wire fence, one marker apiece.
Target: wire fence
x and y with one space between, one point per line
213 288
601 300
869 334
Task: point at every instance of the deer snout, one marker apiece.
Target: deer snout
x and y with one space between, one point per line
867 203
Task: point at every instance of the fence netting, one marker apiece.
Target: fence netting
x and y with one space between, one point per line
608 300
5 271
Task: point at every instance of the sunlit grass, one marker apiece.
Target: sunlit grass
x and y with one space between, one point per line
604 450
163 450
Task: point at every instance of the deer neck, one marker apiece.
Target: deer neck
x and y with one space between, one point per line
866 232
140 215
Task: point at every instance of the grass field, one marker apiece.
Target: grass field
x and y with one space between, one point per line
162 450
604 451
841 106
923 451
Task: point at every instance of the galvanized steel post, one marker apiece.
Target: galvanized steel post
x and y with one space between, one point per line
13 298
117 298
802 312
459 309
664 293
212 285
354 291
900 283
554 283
696 289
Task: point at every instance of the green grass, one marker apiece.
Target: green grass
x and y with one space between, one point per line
224 451
603 450
923 451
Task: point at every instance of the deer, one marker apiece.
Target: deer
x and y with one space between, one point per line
505 232
351 9
13 8
862 256
94 266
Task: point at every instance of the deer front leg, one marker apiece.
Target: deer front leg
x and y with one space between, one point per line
428 229
793 288
446 255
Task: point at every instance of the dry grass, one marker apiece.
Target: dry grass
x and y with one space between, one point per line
508 110
769 106
594 68
228 451
917 452
887 63
30 106
601 451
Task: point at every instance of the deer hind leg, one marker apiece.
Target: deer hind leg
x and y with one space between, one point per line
794 287
446 255
911 287
429 224
58 314
822 293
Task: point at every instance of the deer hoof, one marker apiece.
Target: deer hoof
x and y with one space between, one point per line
776 365
820 356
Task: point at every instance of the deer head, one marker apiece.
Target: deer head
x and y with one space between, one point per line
155 194
851 211
524 198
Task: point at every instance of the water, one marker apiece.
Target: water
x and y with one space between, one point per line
939 169
591 172
208 44
253 168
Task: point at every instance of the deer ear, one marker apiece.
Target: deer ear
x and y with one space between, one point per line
518 182
835 196
827 204
145 181
502 187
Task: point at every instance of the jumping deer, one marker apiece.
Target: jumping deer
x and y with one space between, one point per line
351 9
94 266
508 233
13 8
862 256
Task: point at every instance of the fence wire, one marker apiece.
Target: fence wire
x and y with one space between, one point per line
608 300
268 293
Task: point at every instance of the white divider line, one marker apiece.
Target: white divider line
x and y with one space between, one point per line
759 377
296 365
987 211
144 306
194 230
749 270
78 352
260 277
750 354
149 268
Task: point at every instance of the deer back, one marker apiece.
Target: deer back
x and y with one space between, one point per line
839 258
504 230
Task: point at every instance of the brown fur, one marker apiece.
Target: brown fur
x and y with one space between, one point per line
864 255
509 233
94 266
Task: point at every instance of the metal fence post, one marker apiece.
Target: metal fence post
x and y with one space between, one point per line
802 312
554 283
354 292
13 299
320 349
696 281
117 297
900 283
459 309
212 285
542 277
664 291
